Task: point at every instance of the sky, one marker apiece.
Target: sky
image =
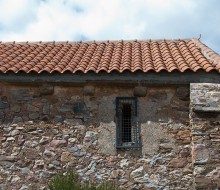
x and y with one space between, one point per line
76 20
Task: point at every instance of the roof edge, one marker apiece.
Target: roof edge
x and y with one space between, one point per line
208 52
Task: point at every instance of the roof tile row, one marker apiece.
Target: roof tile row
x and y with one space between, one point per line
108 56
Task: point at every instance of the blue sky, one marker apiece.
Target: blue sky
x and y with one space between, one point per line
74 20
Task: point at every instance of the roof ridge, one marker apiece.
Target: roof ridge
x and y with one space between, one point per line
97 41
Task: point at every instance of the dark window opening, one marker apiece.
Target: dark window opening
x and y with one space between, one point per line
127 129
126 123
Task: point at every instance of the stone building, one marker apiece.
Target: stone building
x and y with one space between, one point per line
143 113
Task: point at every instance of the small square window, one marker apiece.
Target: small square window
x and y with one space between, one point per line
127 125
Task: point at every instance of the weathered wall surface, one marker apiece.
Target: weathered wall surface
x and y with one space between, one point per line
48 129
205 123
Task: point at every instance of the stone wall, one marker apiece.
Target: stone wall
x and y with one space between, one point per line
49 129
205 123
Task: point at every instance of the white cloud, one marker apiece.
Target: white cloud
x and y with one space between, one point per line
105 19
15 15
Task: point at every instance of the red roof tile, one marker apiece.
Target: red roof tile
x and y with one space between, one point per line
108 56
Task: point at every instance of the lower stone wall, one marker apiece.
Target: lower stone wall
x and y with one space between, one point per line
49 129
33 152
45 130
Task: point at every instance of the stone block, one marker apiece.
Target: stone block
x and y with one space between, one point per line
177 163
137 172
67 157
65 108
89 90
15 108
46 89
4 105
46 108
22 94
34 116
205 98
2 115
58 143
31 108
17 119
140 91
211 109
58 118
183 93
200 154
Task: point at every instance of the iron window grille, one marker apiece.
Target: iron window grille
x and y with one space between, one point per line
127 125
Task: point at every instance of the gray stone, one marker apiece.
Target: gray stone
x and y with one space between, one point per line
24 187
58 118
124 163
214 173
183 92
34 116
56 163
44 174
206 109
2 187
89 90
73 149
17 119
198 170
15 179
141 179
15 132
31 108
25 117
10 139
25 170
44 140
67 157
23 98
46 108
31 154
39 164
178 163
90 135
73 121
6 164
79 153
21 140
81 128
58 143
45 118
31 144
200 154
15 151
138 172
7 161
140 91
4 105
72 140
48 154
65 108
2 115
7 129
46 89
15 108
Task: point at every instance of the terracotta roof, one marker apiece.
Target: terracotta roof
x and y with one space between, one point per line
108 56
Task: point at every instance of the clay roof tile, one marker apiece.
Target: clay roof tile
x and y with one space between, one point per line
108 56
